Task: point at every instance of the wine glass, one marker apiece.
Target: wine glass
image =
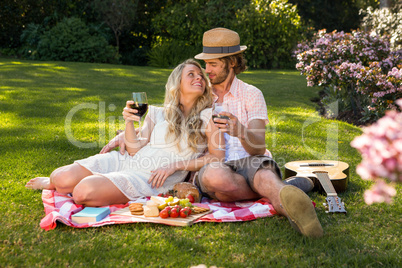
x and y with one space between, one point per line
141 105
216 109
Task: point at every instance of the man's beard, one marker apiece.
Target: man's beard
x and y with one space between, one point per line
221 76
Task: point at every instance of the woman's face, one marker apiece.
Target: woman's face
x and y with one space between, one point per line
192 81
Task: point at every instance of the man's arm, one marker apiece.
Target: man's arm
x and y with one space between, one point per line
117 141
253 137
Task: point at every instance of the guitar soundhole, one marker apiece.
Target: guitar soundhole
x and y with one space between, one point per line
317 165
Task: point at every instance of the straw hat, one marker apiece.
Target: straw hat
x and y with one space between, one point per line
219 43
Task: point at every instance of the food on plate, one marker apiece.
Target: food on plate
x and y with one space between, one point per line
166 207
175 202
185 202
139 213
197 210
169 199
184 212
175 212
136 208
190 198
164 213
151 203
158 200
183 189
162 206
152 211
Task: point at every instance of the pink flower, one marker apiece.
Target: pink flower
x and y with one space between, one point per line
381 148
379 192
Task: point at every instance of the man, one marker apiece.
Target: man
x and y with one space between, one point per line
247 173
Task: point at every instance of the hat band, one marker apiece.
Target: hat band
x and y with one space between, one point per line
221 50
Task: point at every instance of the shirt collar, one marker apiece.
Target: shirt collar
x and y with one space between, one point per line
234 89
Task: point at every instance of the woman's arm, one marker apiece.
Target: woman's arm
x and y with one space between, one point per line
132 144
160 175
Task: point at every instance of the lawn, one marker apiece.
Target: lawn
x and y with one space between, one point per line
52 113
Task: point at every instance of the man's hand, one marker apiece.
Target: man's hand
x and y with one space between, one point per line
159 176
117 141
231 126
251 138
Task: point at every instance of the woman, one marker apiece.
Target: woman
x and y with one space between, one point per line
176 135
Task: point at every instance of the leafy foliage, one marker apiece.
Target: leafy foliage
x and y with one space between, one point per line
269 28
30 38
72 40
16 15
170 54
384 21
117 14
271 31
341 15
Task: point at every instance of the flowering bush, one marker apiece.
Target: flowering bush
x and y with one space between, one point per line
357 68
381 149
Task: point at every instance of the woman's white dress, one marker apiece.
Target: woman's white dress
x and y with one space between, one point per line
131 173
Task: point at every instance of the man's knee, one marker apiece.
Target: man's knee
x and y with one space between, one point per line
265 176
214 174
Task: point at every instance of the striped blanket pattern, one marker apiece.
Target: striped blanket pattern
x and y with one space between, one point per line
59 208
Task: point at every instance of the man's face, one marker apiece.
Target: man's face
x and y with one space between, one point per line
217 71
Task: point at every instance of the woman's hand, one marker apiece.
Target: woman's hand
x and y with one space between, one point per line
128 113
159 176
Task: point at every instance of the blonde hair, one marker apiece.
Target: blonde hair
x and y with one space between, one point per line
173 112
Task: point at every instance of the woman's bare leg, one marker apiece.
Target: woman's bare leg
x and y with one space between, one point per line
97 191
63 179
40 183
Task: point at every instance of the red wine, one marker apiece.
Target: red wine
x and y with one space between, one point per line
140 107
219 117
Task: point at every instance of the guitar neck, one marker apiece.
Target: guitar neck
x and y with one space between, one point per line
326 183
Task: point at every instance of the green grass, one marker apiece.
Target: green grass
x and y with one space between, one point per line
37 97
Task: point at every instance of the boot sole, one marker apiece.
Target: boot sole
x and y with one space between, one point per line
300 211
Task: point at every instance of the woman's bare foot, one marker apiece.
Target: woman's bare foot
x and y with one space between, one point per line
40 183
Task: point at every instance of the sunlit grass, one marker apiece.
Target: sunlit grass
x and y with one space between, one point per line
36 99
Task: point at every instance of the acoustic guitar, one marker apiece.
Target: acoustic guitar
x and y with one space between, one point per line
328 176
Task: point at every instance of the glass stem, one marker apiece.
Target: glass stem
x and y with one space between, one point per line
220 139
139 132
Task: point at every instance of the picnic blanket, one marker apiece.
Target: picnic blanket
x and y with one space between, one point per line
59 208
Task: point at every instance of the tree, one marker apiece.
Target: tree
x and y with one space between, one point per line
341 15
117 14
385 3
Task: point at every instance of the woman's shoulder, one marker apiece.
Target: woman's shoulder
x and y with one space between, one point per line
155 109
155 112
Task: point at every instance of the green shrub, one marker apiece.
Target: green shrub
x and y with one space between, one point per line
29 39
340 15
269 28
72 40
187 20
171 53
271 31
136 56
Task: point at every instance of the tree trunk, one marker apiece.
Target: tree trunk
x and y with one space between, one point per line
385 3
